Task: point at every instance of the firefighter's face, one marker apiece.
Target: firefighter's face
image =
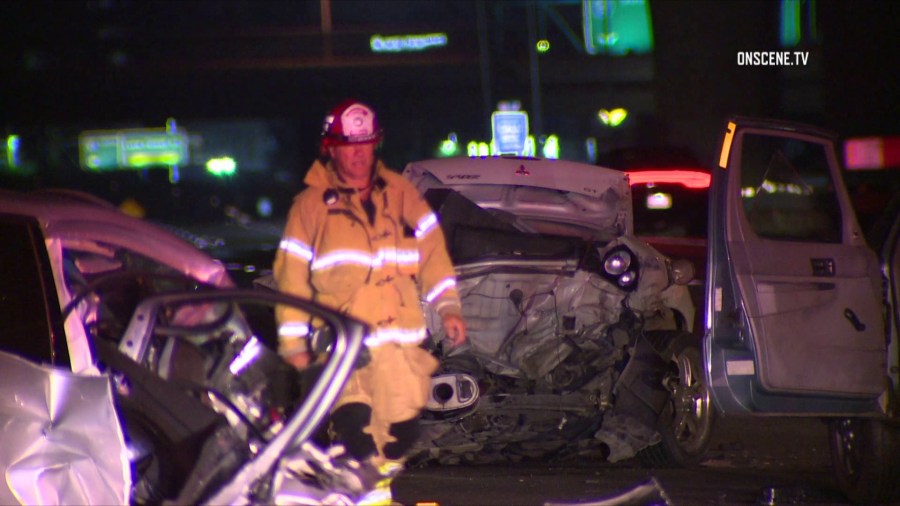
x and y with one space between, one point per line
354 161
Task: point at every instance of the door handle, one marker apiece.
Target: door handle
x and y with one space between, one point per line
854 320
823 267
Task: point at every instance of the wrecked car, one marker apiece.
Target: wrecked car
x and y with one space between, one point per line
76 266
135 374
579 334
801 308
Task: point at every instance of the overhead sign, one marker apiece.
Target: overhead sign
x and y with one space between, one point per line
617 27
103 150
510 132
402 43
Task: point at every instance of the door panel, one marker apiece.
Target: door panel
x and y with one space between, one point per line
805 284
29 309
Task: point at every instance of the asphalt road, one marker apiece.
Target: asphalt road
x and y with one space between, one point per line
751 461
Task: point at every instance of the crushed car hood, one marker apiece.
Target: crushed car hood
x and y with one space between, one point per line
593 197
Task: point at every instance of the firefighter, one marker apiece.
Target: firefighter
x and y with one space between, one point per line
362 240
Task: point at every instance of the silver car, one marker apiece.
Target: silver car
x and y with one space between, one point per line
134 374
580 334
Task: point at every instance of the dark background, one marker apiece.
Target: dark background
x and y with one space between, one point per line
255 78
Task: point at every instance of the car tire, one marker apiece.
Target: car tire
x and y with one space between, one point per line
865 456
687 420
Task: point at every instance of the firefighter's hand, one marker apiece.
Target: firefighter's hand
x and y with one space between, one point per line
455 328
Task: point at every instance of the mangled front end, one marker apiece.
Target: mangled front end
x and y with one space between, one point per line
528 316
560 342
579 333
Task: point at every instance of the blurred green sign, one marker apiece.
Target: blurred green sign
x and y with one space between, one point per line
404 43
132 149
617 27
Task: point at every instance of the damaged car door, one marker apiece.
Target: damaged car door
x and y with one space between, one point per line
795 315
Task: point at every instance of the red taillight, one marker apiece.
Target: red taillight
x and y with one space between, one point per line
688 178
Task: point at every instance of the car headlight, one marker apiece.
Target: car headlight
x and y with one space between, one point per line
621 268
617 261
627 279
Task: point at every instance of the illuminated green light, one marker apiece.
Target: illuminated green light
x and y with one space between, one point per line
449 146
405 43
222 166
12 151
543 46
480 148
139 160
529 146
551 147
612 118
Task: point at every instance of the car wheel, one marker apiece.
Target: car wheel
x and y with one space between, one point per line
865 456
687 420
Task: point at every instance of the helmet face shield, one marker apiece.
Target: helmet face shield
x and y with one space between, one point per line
351 122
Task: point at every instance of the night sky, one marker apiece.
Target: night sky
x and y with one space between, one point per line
109 63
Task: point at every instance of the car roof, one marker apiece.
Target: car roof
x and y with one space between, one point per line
596 198
73 215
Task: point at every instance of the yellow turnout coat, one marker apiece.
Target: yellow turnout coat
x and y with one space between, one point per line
378 272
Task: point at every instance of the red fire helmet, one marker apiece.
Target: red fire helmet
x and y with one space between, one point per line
350 122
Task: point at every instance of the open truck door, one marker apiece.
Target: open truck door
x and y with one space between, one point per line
795 311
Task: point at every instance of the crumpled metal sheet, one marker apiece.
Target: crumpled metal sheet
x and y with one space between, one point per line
60 438
310 476
625 436
520 335
654 276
